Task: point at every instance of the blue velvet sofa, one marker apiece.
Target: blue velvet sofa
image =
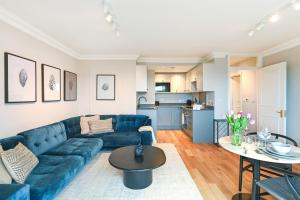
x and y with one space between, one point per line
125 130
59 160
63 151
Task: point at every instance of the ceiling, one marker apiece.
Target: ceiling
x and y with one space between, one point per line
171 68
156 28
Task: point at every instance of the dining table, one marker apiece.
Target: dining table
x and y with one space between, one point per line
250 151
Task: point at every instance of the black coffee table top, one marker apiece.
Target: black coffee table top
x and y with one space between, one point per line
124 158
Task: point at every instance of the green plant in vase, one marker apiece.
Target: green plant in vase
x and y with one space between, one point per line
238 124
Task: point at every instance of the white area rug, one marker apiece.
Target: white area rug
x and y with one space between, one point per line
100 181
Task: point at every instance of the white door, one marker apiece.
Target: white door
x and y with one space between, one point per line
236 93
272 98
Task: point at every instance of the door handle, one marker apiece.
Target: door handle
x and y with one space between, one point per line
281 113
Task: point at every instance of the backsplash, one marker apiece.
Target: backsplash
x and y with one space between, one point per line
172 98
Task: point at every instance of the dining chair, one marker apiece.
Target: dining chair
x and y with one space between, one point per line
286 187
276 169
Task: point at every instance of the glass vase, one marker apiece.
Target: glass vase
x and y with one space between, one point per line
236 138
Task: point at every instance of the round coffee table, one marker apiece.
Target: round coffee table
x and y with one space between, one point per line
137 171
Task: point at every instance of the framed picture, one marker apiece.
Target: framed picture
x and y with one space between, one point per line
105 87
20 79
70 86
51 83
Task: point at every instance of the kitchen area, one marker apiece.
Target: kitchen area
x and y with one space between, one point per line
178 98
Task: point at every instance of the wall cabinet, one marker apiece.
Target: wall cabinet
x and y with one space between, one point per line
141 78
178 81
169 118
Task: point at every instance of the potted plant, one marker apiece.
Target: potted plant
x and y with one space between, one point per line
238 124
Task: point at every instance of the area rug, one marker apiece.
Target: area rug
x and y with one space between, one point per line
100 181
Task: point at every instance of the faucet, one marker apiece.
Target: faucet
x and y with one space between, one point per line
139 100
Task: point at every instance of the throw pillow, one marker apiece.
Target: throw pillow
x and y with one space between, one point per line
5 178
101 126
84 123
19 162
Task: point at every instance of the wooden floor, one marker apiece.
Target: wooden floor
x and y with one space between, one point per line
214 170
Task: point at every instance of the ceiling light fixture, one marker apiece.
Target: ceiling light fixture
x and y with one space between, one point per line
110 17
274 18
296 5
251 33
260 26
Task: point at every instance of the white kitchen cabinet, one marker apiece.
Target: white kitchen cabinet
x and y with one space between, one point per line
141 78
177 81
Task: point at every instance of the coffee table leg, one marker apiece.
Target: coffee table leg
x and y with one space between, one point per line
137 179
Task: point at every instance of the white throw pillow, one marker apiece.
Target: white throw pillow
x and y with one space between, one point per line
19 162
5 178
101 126
84 123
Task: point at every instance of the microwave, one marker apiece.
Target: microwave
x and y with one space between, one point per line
162 87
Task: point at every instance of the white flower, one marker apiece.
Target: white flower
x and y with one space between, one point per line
239 116
249 115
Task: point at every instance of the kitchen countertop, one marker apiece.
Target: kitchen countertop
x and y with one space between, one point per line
181 105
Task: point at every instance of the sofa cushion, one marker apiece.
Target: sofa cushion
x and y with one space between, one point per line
72 126
52 174
14 192
130 122
42 139
87 148
11 142
112 140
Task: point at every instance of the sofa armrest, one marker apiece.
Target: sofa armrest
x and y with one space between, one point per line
148 122
14 192
146 137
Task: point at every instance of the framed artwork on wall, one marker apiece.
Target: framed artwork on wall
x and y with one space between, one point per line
105 87
51 83
20 79
70 86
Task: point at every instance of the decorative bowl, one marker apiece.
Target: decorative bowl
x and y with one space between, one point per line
281 148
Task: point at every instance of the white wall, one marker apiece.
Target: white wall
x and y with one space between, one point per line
215 78
19 117
125 102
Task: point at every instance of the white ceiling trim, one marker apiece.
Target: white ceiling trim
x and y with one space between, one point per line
281 47
20 24
108 57
153 60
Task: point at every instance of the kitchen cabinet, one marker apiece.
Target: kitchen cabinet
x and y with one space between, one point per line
169 118
199 125
177 81
141 78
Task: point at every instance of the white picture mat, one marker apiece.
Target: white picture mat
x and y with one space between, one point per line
51 95
106 94
17 93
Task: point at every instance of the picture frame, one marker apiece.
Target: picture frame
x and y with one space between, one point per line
20 79
70 86
51 83
105 87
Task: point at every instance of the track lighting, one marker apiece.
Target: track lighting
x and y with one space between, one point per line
260 26
110 18
274 18
296 5
251 33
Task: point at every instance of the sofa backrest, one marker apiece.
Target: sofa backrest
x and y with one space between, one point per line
11 142
130 122
42 139
72 126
